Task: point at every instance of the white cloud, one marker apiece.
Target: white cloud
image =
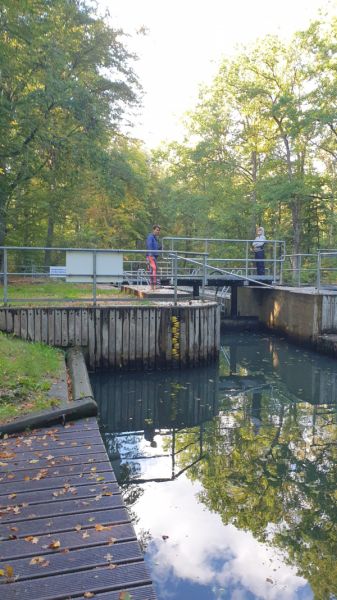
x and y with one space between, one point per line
202 550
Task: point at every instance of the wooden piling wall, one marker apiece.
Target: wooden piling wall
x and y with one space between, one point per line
128 337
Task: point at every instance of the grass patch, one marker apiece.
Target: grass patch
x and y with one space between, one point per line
58 291
28 371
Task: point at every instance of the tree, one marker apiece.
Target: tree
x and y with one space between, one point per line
65 84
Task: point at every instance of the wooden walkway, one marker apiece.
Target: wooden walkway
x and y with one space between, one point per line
64 529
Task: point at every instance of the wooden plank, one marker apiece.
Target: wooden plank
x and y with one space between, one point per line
76 560
71 327
132 338
37 328
85 327
52 483
17 323
146 339
105 338
217 328
168 342
112 337
62 493
81 537
54 471
191 337
197 337
183 333
74 448
55 524
51 326
64 328
98 337
139 339
24 327
57 461
3 320
63 507
9 321
145 592
44 326
126 338
67 585
58 328
157 351
119 338
92 339
152 338
40 443
78 326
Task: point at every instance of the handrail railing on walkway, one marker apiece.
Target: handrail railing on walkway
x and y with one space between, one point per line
93 268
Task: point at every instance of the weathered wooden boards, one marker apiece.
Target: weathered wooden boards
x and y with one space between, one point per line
125 337
64 529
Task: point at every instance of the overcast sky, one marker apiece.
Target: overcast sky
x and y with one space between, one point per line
185 42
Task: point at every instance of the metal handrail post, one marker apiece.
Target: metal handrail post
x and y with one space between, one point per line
94 279
5 276
299 267
205 260
247 257
274 261
175 277
282 258
318 274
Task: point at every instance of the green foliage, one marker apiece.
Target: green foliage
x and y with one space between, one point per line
259 148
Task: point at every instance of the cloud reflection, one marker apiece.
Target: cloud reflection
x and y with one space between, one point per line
201 550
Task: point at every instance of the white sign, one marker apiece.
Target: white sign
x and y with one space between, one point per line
80 266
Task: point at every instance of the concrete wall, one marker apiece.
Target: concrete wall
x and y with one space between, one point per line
298 315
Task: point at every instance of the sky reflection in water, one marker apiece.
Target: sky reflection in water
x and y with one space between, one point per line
234 464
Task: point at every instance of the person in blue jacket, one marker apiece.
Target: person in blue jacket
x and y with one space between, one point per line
152 247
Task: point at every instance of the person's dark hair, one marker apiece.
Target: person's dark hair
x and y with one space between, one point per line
156 226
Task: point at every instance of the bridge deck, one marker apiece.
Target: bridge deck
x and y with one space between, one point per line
64 528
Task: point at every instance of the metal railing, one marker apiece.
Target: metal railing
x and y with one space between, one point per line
235 254
314 270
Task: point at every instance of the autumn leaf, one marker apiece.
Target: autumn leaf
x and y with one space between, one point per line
88 595
8 572
54 545
39 560
124 596
99 527
32 539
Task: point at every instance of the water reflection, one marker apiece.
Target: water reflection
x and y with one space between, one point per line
237 468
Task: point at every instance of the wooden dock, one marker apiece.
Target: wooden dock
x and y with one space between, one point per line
64 529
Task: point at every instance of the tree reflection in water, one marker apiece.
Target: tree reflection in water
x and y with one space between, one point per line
258 433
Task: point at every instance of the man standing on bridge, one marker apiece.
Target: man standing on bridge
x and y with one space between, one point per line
258 247
152 247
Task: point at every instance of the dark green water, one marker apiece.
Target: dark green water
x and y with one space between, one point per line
229 472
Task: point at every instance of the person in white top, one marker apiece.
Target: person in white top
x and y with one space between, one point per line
258 248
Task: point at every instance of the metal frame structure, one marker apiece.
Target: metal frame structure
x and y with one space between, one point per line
177 265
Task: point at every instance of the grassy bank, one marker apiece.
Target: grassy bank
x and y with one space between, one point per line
35 291
28 371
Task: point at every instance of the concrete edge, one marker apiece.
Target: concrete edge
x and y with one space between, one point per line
82 405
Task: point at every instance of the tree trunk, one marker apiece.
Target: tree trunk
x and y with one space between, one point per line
255 217
49 238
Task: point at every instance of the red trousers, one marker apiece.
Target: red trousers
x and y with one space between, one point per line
152 266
